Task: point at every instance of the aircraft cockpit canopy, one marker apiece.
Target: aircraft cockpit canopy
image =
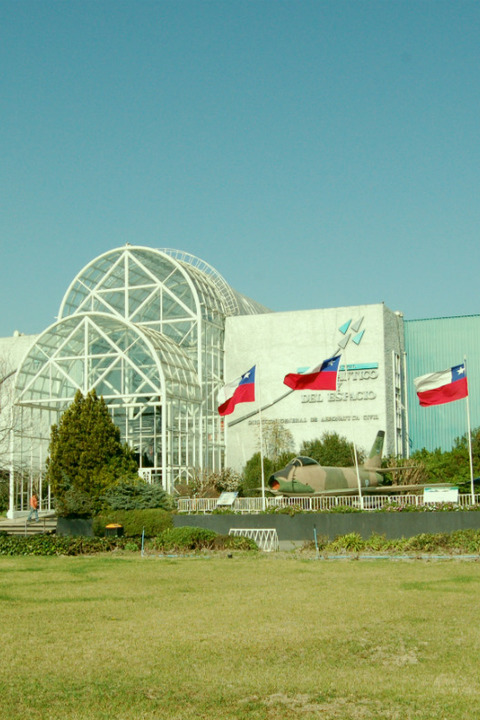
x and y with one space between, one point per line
302 461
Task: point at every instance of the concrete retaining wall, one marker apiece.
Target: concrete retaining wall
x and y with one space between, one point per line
300 528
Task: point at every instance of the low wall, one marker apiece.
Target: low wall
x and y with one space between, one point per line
75 526
300 528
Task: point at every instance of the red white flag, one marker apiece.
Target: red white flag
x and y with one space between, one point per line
442 387
240 390
323 377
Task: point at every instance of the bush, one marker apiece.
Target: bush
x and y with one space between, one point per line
74 503
331 449
291 510
208 483
171 540
352 542
460 541
182 539
466 541
86 456
377 543
185 538
55 545
134 522
234 542
252 473
427 542
137 495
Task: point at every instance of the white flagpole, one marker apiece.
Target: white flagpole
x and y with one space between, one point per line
359 483
261 441
470 454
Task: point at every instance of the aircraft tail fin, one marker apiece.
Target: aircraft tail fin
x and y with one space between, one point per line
374 460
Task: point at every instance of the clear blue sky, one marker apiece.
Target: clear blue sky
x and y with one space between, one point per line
316 153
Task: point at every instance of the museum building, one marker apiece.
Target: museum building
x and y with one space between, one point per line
145 328
157 333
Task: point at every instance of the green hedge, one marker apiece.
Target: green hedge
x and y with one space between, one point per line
457 542
153 521
56 545
191 539
187 538
178 540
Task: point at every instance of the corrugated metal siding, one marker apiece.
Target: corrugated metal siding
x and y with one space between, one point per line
433 345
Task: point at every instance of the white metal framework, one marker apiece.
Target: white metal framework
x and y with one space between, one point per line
266 538
145 328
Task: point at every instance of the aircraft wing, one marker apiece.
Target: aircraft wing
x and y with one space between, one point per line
380 490
386 470
396 489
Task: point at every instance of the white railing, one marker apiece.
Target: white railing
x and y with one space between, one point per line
310 504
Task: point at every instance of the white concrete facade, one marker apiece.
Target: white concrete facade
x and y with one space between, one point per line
369 397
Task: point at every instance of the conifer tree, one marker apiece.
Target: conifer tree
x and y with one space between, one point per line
86 456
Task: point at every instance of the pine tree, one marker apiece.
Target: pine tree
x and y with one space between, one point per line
86 456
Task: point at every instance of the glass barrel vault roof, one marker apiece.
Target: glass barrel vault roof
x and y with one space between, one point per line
120 360
161 289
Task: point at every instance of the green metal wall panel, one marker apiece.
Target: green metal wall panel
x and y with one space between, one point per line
433 345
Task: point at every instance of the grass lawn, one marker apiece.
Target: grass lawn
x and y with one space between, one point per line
269 637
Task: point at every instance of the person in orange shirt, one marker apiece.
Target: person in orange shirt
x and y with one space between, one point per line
33 507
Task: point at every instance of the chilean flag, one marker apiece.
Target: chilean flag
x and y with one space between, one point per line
323 377
442 387
240 390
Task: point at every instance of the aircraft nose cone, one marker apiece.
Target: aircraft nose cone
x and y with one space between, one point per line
273 483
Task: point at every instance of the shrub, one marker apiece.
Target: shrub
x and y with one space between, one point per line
466 541
427 542
234 542
74 503
376 542
252 474
208 483
134 522
132 546
185 538
352 542
86 456
344 509
291 510
182 539
331 449
321 544
172 540
137 495
56 545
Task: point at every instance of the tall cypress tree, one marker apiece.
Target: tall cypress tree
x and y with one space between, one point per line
86 456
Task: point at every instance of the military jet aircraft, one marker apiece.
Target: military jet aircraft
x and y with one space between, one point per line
304 476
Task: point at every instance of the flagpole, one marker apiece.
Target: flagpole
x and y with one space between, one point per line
264 407
261 445
470 454
359 483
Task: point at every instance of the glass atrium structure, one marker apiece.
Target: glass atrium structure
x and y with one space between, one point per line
145 329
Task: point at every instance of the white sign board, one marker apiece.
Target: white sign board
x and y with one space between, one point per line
440 495
227 498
